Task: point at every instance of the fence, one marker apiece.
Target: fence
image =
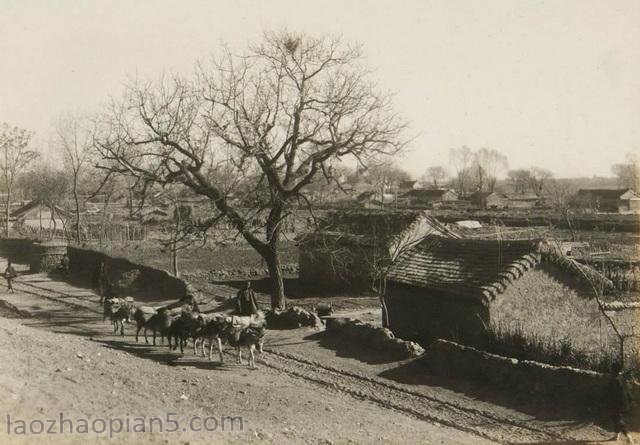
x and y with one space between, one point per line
89 232
113 232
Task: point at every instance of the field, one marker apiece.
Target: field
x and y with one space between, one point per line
196 257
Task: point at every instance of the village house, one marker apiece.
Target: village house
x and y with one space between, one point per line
523 200
488 200
40 215
458 288
372 199
609 200
405 186
423 197
351 248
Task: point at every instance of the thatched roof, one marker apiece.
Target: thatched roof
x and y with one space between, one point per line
479 269
22 211
388 229
611 194
427 193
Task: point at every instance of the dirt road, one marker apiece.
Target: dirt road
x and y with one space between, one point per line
63 359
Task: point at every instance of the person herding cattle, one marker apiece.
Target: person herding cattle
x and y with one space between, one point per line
9 274
246 303
100 280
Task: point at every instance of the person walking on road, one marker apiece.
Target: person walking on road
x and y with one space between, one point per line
9 275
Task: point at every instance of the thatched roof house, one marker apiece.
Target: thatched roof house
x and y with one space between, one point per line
350 248
523 200
455 288
488 200
609 200
429 196
40 215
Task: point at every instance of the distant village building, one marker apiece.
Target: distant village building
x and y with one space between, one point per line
405 186
429 196
523 200
351 248
40 215
456 288
609 200
372 199
489 200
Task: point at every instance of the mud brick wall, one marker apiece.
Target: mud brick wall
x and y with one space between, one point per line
562 385
17 250
131 279
337 267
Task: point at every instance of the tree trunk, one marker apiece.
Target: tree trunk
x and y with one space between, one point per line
272 258
7 212
174 260
53 219
75 197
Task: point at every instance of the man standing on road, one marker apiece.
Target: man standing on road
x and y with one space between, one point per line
620 403
10 274
64 264
100 280
246 303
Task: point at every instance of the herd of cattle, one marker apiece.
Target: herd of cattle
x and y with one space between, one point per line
183 322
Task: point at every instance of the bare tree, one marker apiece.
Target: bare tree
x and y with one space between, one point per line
183 230
628 173
14 158
435 176
520 179
462 159
532 179
385 177
74 139
277 116
561 194
487 164
49 186
538 177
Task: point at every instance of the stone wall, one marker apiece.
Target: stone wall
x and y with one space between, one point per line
46 257
237 273
375 338
536 380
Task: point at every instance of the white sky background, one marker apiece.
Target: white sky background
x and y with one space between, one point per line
549 83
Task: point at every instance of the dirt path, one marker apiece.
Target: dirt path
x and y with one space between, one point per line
318 397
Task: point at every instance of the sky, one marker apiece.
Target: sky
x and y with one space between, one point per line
554 84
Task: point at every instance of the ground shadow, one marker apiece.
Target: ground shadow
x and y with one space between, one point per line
162 354
61 321
92 326
416 372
